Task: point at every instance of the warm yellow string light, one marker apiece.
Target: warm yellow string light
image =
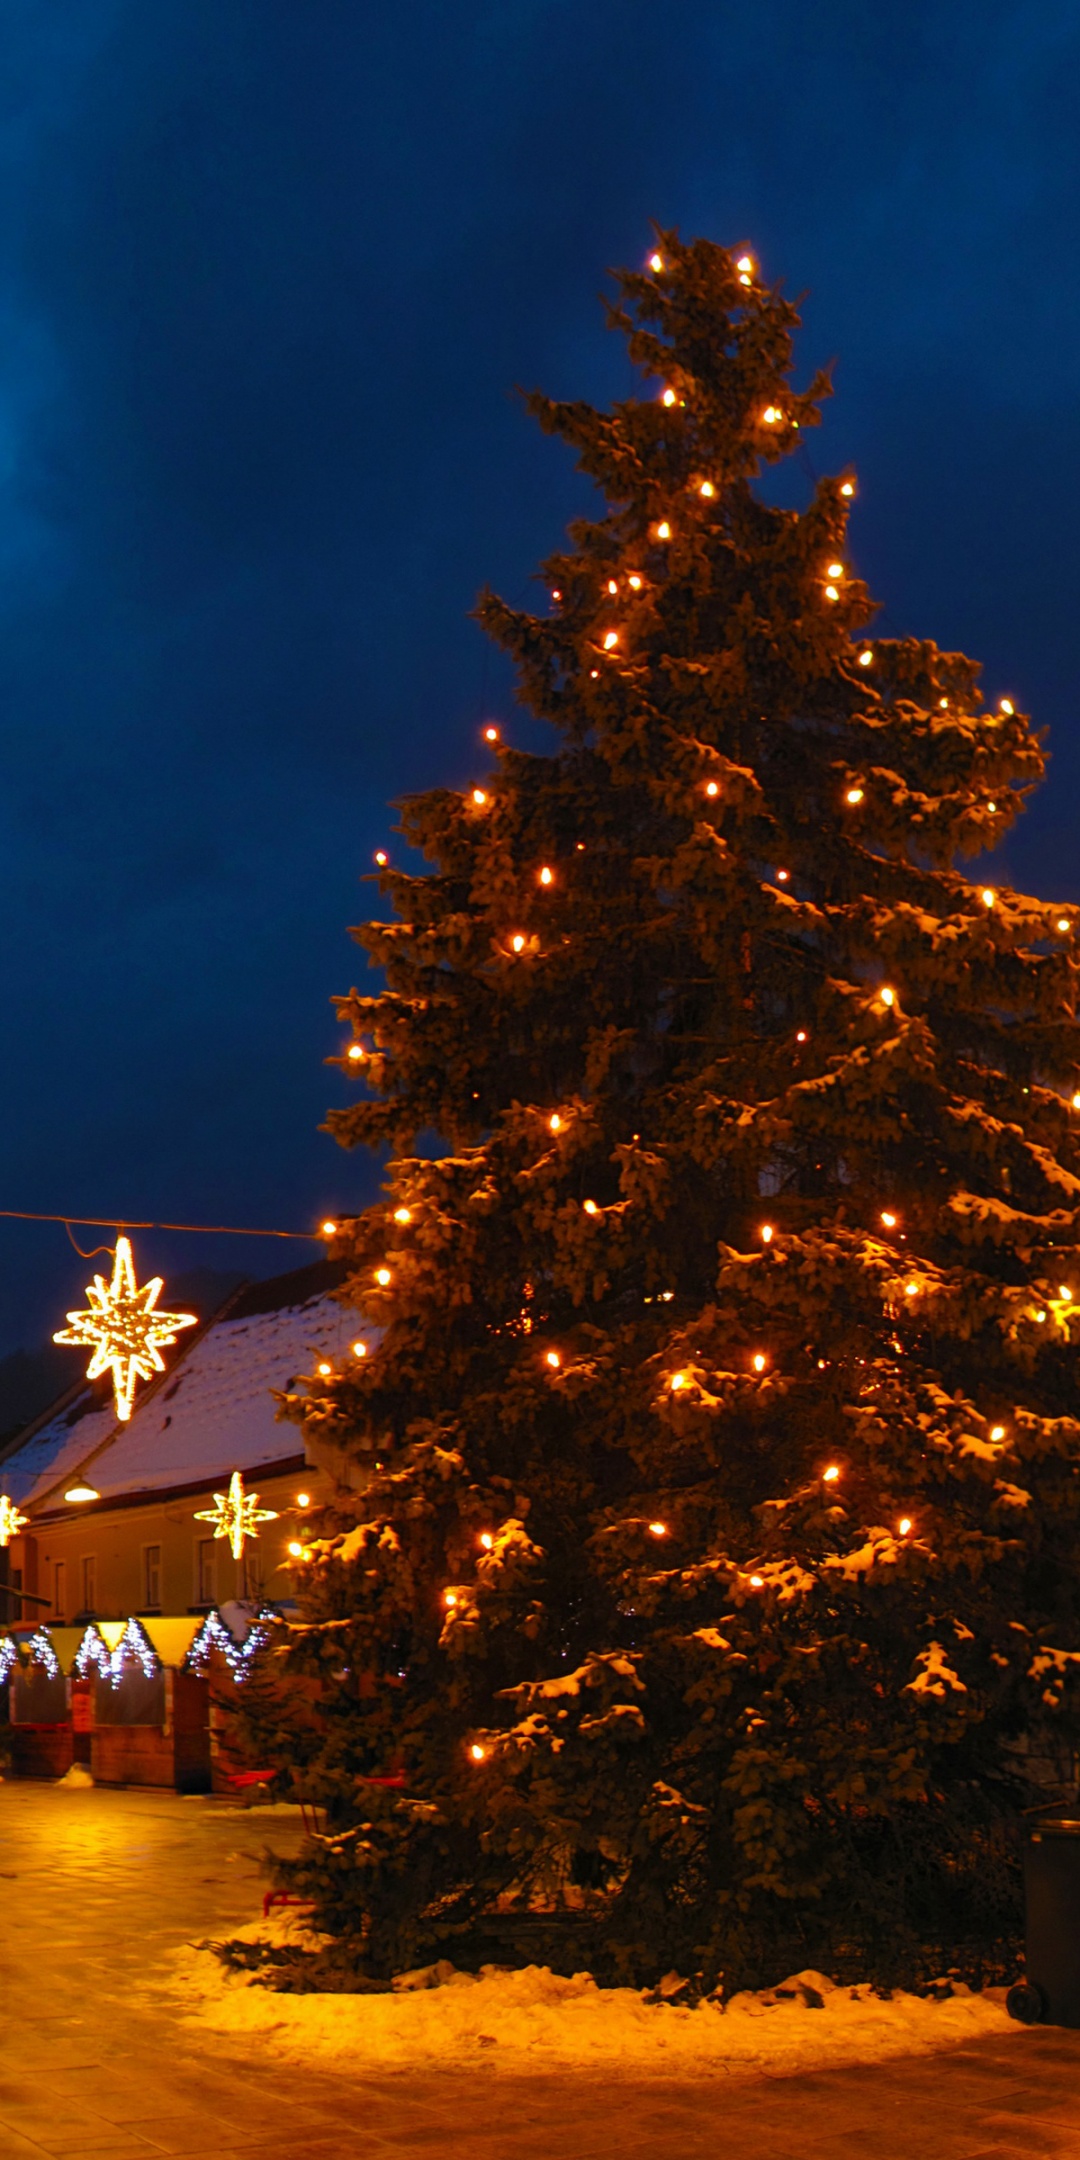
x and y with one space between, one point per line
403 1215
663 530
124 1329
381 857
11 1522
831 1474
236 1515
759 1361
383 1277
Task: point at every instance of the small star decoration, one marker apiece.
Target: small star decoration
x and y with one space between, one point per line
11 1522
236 1514
124 1328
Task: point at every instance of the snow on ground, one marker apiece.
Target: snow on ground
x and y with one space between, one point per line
535 2020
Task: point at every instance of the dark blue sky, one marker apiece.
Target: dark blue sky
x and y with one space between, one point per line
269 271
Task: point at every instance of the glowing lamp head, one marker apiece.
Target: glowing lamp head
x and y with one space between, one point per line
830 1475
766 1233
707 489
866 657
888 1219
663 530
382 858
517 943
477 1753
403 1215
546 875
759 1361
78 1495
854 795
658 1529
552 1358
887 996
479 797
382 1277
997 1432
904 1525
324 1370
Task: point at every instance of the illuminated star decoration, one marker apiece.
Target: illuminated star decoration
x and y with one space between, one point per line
11 1522
236 1514
124 1327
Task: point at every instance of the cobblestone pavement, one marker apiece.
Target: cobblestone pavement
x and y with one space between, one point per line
96 1886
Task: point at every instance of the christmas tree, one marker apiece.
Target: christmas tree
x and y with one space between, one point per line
708 1596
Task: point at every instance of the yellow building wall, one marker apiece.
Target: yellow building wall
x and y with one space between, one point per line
120 1543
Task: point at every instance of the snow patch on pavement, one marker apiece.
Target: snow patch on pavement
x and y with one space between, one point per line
536 2020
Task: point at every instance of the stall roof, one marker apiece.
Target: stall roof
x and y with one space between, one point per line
211 1413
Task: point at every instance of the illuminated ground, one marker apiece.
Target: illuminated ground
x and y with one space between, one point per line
97 1887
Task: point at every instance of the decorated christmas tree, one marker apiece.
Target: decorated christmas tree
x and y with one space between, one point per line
708 1595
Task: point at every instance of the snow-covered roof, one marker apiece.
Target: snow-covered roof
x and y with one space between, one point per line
212 1412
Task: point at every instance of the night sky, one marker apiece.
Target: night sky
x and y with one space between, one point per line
270 271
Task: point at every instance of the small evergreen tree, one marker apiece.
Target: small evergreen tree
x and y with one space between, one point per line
710 1590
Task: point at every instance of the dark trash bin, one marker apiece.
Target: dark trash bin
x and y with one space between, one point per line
1050 1991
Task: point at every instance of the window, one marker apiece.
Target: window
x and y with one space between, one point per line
251 1573
151 1578
204 1555
89 1582
60 1589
